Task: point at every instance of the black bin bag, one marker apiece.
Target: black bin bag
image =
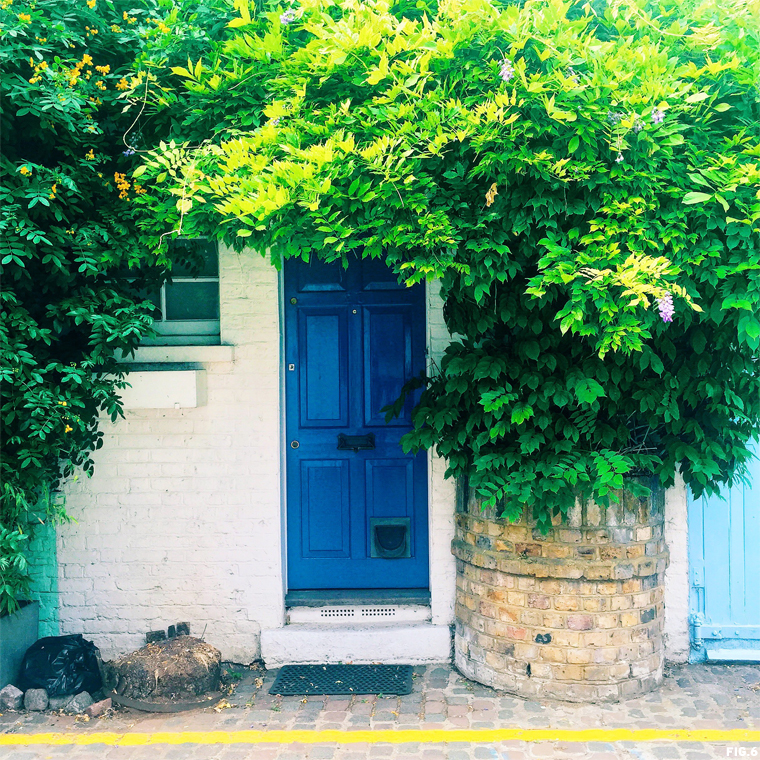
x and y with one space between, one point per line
62 665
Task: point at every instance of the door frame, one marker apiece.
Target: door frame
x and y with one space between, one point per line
429 485
441 492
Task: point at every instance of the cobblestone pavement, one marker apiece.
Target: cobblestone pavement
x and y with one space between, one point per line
692 697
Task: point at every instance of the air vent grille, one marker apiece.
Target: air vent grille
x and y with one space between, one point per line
343 612
378 611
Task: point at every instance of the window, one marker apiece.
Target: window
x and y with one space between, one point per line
188 306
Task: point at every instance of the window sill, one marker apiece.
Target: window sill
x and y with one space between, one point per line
180 355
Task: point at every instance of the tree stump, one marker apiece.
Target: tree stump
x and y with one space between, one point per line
183 667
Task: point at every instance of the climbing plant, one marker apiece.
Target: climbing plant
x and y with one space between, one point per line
68 303
582 178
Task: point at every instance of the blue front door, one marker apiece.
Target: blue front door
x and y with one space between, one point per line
724 562
356 504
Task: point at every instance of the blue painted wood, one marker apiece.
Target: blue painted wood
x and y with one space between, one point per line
724 557
353 337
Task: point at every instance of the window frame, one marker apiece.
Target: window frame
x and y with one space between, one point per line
187 332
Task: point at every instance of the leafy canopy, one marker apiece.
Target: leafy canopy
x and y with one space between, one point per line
582 177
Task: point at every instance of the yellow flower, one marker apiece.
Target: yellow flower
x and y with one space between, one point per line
100 84
25 171
90 156
87 58
24 17
63 403
103 69
91 3
68 429
115 29
122 84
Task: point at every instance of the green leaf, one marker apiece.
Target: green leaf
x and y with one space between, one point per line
691 198
521 412
588 390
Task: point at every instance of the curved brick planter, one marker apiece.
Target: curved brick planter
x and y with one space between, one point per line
576 614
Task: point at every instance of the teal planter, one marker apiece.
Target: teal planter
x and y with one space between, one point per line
17 633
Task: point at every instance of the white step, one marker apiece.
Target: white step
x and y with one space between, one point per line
391 643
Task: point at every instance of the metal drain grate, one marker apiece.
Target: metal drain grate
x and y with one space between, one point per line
294 680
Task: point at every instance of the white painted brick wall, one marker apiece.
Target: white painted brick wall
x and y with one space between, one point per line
181 521
676 631
442 492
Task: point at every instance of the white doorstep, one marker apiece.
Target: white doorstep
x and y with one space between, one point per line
395 643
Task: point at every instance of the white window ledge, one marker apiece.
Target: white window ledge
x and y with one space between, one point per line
180 354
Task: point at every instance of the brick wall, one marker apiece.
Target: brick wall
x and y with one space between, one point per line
181 521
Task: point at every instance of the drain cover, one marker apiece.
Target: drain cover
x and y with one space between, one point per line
293 680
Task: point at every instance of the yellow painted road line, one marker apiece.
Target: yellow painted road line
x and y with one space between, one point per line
385 736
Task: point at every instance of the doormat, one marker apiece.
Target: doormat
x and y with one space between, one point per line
295 680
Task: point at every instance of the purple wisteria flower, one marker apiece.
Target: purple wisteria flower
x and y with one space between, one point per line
658 116
507 70
276 121
288 17
573 74
619 159
665 306
128 152
638 125
615 117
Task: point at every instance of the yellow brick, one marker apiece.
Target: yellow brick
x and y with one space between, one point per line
621 602
629 619
554 620
550 587
579 656
567 603
607 621
568 672
516 598
526 651
553 654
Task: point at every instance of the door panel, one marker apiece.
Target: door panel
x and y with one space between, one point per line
324 494
387 361
357 515
724 536
323 362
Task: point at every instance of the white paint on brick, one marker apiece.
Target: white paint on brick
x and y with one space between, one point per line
441 492
183 518
181 521
676 631
173 389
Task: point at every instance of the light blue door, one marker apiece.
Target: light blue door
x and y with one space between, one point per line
356 503
724 559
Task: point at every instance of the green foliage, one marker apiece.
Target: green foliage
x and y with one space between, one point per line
564 168
67 241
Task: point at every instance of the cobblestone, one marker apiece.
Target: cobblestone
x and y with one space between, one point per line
692 697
